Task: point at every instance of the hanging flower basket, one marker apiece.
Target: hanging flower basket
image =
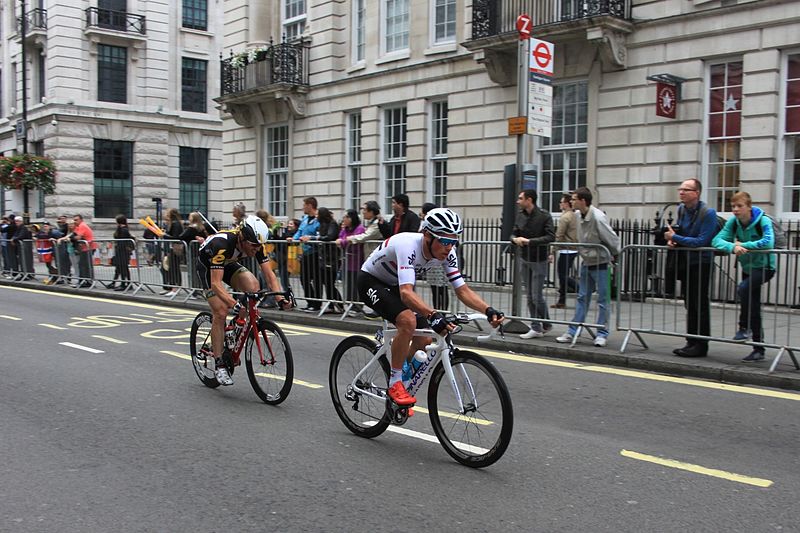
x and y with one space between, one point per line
26 170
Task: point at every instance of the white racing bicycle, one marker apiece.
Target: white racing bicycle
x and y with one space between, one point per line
468 400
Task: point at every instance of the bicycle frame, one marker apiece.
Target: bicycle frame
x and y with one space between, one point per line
253 299
437 351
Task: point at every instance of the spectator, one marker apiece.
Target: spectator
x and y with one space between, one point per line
371 220
123 247
152 252
593 228
239 213
354 256
62 224
284 251
403 219
697 225
174 253
63 260
22 242
10 251
533 232
193 236
440 298
45 239
309 262
749 229
4 225
567 231
72 266
329 257
84 246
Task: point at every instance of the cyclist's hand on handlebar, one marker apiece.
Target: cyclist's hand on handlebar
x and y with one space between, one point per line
439 323
494 316
283 303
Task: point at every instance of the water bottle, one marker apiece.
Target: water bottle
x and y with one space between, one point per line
419 358
237 329
230 336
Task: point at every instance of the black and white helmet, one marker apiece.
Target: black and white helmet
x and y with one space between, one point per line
443 221
254 230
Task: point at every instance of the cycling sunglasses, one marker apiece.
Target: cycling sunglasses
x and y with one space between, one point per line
444 241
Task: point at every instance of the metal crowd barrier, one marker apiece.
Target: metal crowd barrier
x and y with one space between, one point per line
655 310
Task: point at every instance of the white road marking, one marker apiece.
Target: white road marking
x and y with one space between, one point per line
430 438
109 339
79 347
52 326
10 317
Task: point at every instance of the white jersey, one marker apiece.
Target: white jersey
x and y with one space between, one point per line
399 260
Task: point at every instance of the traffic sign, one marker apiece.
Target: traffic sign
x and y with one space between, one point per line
541 57
524 26
518 125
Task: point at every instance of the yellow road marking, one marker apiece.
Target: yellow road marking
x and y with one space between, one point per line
295 381
10 317
110 339
638 374
99 299
52 326
730 476
478 421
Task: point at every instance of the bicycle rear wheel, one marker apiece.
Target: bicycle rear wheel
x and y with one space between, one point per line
362 414
272 372
200 349
476 430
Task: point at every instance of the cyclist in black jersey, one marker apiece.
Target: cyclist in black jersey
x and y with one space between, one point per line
217 265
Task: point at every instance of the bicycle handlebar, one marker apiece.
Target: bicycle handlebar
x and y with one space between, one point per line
259 296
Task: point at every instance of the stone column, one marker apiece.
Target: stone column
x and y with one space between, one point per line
259 22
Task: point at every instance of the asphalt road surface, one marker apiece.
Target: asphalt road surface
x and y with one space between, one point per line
105 427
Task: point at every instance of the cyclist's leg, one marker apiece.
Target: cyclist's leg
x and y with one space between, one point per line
219 310
243 280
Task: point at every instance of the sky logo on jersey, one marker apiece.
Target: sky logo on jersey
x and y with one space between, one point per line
412 258
452 261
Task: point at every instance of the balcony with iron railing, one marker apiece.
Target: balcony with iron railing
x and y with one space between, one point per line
35 23
114 21
606 22
274 72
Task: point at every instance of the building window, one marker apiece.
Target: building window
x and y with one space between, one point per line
294 18
791 137
193 180
193 79
112 73
195 14
438 130
724 132
394 153
444 21
41 76
354 160
562 166
359 29
277 170
112 14
396 23
113 171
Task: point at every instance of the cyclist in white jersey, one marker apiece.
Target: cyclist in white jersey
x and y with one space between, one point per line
386 283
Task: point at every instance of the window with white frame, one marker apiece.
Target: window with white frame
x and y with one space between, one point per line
293 14
396 24
444 21
562 157
359 30
277 170
394 153
438 129
354 160
791 137
724 133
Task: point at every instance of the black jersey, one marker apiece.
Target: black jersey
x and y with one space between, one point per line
220 249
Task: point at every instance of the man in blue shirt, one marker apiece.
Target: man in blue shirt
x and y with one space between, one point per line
697 225
309 262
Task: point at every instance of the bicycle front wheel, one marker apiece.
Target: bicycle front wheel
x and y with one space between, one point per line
363 414
271 371
474 429
200 349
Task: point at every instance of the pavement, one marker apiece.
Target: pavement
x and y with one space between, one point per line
723 363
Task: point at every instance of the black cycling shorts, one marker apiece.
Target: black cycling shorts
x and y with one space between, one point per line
384 299
204 275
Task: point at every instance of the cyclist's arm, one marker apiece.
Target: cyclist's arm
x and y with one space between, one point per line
272 280
471 299
412 300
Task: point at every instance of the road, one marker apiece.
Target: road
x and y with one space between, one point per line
124 437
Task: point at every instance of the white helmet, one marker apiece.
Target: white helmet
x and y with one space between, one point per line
443 221
254 230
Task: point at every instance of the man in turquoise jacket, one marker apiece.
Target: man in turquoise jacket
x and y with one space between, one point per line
750 229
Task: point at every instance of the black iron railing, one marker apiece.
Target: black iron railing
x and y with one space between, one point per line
36 19
276 63
108 19
496 17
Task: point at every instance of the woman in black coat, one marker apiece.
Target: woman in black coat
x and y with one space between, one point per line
175 253
329 255
122 254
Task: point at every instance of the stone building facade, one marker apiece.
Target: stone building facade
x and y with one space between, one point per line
120 95
368 98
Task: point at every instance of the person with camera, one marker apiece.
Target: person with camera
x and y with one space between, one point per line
697 225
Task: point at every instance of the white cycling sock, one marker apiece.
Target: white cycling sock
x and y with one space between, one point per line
397 375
